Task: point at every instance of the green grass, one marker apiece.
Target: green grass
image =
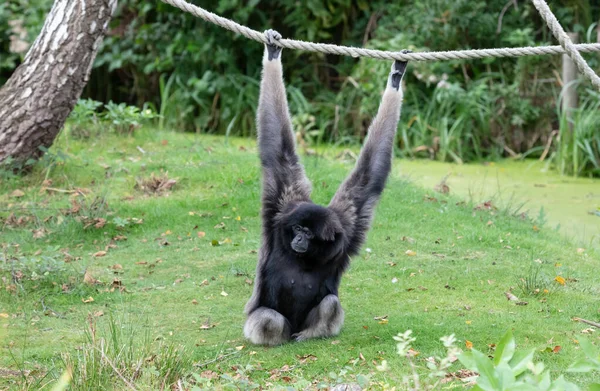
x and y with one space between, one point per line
180 298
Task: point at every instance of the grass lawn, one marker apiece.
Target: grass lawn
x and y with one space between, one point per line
156 284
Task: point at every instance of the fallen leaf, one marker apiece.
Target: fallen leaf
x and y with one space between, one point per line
99 254
556 349
4 315
88 300
224 294
98 314
39 233
238 348
100 222
194 301
511 297
209 375
412 353
207 326
17 194
201 234
117 284
560 280
468 344
410 253
308 357
89 279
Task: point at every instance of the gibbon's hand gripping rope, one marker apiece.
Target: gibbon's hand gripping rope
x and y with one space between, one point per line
566 46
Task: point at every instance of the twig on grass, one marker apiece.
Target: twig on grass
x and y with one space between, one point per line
595 324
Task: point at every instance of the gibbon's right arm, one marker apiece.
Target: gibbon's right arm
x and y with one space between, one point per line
356 198
284 180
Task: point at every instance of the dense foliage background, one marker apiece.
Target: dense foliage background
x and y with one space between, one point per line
205 79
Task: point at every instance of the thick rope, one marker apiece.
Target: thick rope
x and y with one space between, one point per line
387 55
566 42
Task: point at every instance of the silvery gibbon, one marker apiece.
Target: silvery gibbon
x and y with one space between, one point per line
306 247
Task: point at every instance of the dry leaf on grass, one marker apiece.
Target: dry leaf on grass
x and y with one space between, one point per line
17 194
40 233
511 297
560 280
89 279
155 184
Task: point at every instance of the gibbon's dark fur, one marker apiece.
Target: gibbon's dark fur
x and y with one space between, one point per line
306 247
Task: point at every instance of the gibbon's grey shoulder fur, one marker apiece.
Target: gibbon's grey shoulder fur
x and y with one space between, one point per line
306 247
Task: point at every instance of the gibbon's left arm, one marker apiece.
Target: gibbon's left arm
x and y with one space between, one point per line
356 198
284 180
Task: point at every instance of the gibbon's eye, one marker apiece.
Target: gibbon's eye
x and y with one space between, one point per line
296 228
308 234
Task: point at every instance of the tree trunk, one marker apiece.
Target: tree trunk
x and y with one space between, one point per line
38 97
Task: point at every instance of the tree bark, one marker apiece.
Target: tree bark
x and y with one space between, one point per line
38 97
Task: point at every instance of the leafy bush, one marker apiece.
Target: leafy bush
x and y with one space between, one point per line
508 370
84 119
125 119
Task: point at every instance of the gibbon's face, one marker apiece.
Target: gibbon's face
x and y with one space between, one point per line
312 231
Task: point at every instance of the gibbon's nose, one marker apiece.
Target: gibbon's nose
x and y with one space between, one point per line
300 244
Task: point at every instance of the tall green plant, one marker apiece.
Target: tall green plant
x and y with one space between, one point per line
578 145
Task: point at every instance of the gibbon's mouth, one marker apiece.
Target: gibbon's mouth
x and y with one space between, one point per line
299 250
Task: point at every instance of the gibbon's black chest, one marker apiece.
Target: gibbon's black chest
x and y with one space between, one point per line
293 288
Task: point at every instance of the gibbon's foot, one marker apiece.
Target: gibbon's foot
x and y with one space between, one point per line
398 69
274 50
325 320
299 337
